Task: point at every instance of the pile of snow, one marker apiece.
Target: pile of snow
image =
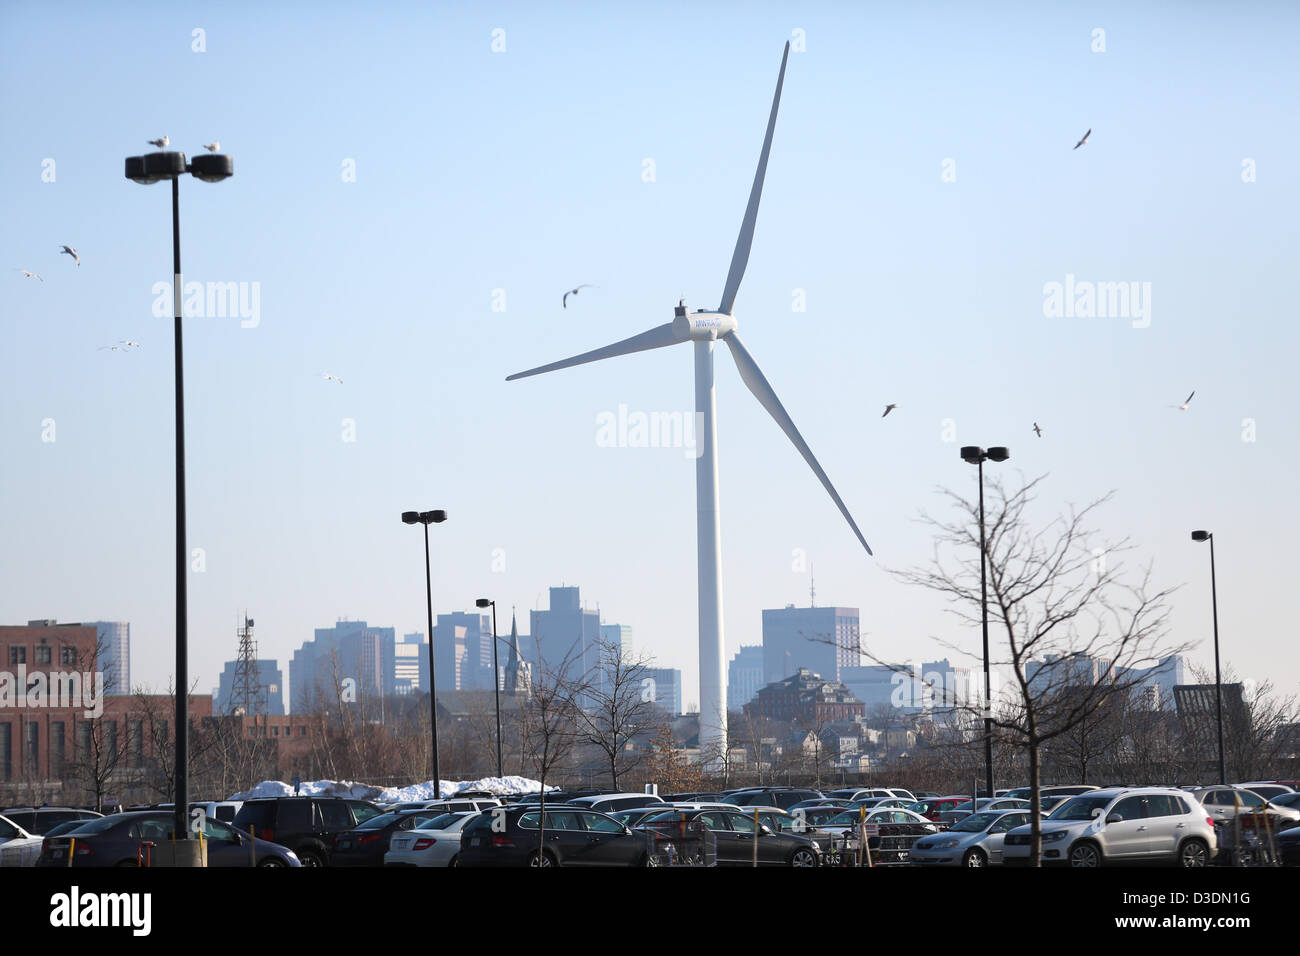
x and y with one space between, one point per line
498 786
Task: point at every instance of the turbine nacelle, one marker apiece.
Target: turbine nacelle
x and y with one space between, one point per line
702 324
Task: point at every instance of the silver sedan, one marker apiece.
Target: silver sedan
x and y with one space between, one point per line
435 843
975 841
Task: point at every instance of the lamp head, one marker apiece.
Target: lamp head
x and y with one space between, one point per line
437 517
1200 535
410 517
972 454
1000 453
482 602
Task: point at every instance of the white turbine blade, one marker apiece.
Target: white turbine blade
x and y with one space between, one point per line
740 258
758 384
656 338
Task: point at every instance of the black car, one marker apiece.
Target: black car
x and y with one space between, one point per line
509 836
1288 846
736 837
122 839
367 844
306 825
38 821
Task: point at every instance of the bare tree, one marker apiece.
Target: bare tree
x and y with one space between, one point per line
666 765
619 708
1062 607
552 729
1257 728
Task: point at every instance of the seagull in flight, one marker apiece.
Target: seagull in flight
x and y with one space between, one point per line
130 344
889 408
332 378
31 275
160 143
565 301
1084 140
68 250
1183 407
1038 431
213 146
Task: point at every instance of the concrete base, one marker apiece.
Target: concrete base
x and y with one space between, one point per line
189 853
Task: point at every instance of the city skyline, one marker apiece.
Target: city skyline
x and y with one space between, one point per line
927 228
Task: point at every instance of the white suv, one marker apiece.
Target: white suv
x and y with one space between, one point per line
1121 824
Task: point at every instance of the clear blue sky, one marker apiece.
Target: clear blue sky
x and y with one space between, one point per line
522 171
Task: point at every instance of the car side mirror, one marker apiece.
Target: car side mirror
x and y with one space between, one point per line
1114 818
764 830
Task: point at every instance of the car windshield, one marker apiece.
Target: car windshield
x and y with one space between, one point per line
846 819
1078 808
379 822
102 825
442 822
975 823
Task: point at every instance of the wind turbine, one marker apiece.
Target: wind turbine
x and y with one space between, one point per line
703 327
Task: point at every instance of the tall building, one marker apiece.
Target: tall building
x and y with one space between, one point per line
411 664
349 650
618 635
1158 682
667 689
744 676
115 638
462 651
821 639
269 698
565 637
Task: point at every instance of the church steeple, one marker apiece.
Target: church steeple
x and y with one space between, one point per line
518 673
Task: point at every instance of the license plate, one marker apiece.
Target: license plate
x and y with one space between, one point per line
343 845
473 841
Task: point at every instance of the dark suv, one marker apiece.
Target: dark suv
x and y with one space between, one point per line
783 798
306 825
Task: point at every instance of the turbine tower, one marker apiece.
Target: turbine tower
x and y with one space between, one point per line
703 327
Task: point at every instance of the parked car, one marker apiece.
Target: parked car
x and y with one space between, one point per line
1121 825
1268 789
736 835
931 807
448 805
1225 803
963 810
713 797
117 840
40 820
1288 846
18 847
1289 800
306 825
572 837
630 818
975 841
605 802
368 842
821 802
435 842
854 794
782 797
1069 790
899 829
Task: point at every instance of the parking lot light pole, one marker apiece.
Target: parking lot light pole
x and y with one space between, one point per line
496 677
1218 684
147 170
426 518
975 455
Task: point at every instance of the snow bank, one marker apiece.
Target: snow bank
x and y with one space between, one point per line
499 786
